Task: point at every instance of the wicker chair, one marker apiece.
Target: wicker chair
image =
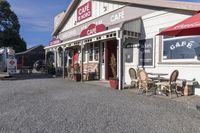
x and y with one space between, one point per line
170 85
145 83
133 77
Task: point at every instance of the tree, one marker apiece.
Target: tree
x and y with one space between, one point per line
9 28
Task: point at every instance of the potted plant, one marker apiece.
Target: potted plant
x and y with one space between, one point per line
77 73
114 80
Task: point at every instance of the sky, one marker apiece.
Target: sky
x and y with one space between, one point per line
36 18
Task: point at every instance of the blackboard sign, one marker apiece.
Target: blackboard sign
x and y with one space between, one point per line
146 52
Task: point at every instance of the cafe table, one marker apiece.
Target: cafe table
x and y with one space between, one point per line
158 75
157 78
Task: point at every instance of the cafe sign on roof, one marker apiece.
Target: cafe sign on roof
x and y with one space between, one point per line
84 11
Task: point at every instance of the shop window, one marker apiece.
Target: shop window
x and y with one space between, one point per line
96 52
91 52
84 55
177 48
103 52
128 55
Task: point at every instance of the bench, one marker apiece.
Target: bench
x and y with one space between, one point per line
90 71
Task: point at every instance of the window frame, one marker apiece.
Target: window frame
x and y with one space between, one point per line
153 54
175 61
87 53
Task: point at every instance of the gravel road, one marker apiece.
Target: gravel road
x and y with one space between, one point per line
54 105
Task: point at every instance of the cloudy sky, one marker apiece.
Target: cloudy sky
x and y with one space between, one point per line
36 18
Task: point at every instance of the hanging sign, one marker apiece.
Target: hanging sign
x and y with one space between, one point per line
93 29
54 41
84 11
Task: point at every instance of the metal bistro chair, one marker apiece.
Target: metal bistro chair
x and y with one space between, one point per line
171 85
133 77
145 83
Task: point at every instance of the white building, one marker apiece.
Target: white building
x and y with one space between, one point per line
96 29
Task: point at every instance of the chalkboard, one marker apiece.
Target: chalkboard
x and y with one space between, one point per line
146 52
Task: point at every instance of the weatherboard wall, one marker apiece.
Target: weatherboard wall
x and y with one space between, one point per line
99 8
153 23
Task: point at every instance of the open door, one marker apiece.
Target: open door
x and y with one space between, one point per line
111 48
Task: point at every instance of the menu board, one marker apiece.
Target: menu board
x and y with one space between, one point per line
146 52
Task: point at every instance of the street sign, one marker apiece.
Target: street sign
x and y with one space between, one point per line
11 66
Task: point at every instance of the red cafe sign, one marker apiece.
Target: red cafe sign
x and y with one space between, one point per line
93 29
84 11
54 41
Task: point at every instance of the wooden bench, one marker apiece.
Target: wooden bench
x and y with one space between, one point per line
90 71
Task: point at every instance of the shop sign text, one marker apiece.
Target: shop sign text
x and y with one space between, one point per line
93 29
54 41
84 11
118 16
182 44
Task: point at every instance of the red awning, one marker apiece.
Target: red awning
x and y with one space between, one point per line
187 27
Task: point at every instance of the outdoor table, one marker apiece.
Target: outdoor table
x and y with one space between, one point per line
158 78
158 75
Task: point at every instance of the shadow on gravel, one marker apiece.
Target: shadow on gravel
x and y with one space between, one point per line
28 76
198 107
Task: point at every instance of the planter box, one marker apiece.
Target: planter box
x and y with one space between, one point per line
114 83
77 77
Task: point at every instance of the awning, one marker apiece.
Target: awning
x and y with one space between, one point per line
187 27
108 34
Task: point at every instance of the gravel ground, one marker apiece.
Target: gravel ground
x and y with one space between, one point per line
53 105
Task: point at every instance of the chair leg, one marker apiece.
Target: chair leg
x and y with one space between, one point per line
170 93
178 92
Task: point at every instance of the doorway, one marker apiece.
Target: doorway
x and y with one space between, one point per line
111 48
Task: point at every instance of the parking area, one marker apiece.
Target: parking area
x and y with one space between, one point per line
54 105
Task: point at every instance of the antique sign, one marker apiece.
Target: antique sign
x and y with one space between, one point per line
84 11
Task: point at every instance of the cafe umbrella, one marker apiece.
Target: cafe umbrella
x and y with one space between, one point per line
187 27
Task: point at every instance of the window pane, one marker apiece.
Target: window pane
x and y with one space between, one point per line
128 55
96 52
103 52
146 53
84 55
183 48
91 50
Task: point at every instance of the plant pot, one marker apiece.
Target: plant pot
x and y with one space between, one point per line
113 83
77 77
